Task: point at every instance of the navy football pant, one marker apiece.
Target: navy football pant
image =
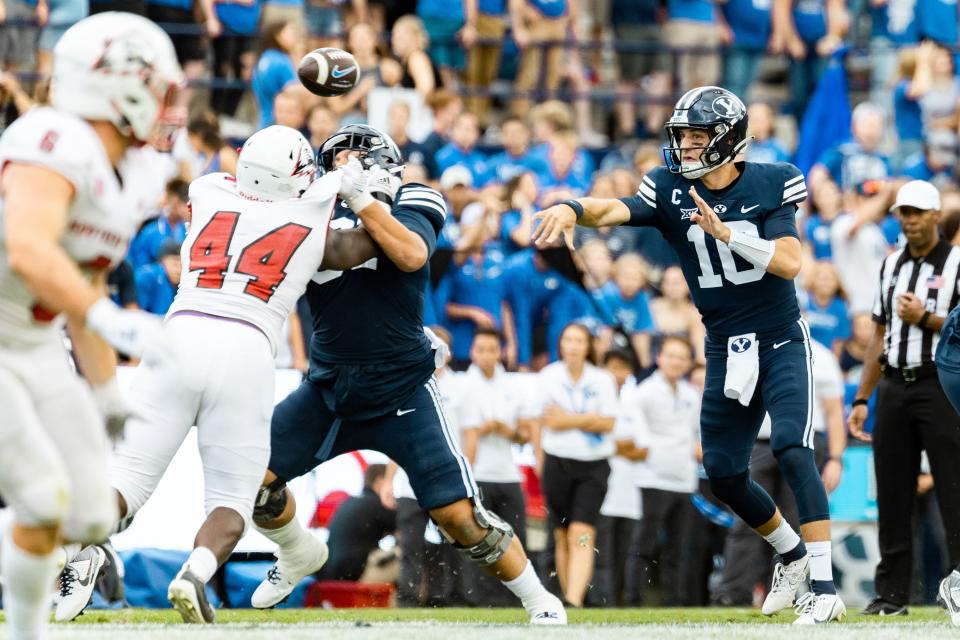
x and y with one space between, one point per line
304 433
728 430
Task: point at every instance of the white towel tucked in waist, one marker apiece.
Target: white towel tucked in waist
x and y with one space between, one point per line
743 368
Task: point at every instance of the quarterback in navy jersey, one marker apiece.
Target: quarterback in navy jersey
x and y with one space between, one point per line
371 384
732 226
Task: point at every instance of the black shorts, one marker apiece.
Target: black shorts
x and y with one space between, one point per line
574 489
190 46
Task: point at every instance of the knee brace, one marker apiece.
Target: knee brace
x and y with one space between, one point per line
271 501
800 471
747 499
495 542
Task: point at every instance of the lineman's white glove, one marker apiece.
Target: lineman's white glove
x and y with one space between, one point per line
113 407
358 185
131 332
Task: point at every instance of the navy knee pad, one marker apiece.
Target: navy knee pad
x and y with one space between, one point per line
747 499
800 471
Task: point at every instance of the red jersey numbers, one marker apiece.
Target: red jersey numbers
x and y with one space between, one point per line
264 260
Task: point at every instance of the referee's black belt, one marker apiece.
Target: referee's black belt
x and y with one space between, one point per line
911 374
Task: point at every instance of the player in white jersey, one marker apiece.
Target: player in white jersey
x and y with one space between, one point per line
75 185
254 244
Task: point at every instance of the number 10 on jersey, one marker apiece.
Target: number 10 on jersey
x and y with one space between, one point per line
709 279
264 259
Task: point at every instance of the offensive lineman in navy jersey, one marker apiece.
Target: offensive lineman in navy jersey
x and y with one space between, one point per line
371 385
732 225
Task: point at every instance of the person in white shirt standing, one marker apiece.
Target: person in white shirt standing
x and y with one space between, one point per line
661 415
76 183
579 409
489 416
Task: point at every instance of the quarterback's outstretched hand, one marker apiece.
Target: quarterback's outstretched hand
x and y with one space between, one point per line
554 221
707 219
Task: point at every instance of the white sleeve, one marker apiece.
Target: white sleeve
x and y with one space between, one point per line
468 412
54 140
630 423
607 405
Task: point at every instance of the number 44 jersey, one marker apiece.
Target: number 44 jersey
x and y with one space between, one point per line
732 295
250 260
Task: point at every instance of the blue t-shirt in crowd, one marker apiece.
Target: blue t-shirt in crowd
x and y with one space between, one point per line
474 284
768 151
145 245
890 228
155 292
750 22
550 8
849 165
509 221
239 18
503 167
937 20
186 5
896 20
633 314
635 12
817 233
696 10
810 18
531 287
828 323
473 160
907 118
444 9
273 71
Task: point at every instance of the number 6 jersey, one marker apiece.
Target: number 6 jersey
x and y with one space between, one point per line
250 260
732 295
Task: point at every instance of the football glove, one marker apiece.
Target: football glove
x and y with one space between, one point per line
113 407
135 333
358 186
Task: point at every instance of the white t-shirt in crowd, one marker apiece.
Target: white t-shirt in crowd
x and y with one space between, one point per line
594 392
622 499
490 399
664 420
857 260
827 384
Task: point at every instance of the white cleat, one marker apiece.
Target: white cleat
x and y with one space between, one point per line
284 576
818 609
789 581
548 611
949 596
188 595
77 581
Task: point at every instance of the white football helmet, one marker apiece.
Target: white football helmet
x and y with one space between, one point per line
117 67
275 163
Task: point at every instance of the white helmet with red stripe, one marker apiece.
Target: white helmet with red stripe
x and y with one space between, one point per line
117 67
275 163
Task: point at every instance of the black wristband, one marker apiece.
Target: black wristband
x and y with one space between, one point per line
923 320
576 206
858 402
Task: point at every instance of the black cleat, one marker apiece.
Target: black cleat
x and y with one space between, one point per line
881 607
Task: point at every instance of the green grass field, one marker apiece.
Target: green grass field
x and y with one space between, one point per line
495 624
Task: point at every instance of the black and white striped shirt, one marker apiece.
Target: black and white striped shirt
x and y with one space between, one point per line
933 279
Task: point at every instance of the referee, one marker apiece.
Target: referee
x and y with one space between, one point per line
917 288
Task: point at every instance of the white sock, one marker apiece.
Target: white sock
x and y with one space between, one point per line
290 537
66 553
783 539
28 582
527 585
202 563
821 565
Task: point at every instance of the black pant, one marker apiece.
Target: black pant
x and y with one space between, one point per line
911 418
669 512
506 500
616 566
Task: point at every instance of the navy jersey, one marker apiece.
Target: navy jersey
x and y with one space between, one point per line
732 295
368 338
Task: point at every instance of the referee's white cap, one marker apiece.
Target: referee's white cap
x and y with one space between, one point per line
918 194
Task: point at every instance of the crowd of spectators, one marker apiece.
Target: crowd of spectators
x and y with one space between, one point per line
508 107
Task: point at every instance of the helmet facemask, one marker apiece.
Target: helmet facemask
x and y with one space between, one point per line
721 149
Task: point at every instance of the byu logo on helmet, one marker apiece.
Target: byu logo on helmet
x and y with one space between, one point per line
740 345
726 107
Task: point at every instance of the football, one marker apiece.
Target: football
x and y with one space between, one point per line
328 71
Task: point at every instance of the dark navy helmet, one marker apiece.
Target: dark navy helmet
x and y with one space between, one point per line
375 147
719 113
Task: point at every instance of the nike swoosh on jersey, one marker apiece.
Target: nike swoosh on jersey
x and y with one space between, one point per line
339 73
748 209
401 412
777 345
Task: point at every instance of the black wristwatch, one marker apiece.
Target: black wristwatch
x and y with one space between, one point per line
859 401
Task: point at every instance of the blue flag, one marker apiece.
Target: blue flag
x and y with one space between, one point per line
826 122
